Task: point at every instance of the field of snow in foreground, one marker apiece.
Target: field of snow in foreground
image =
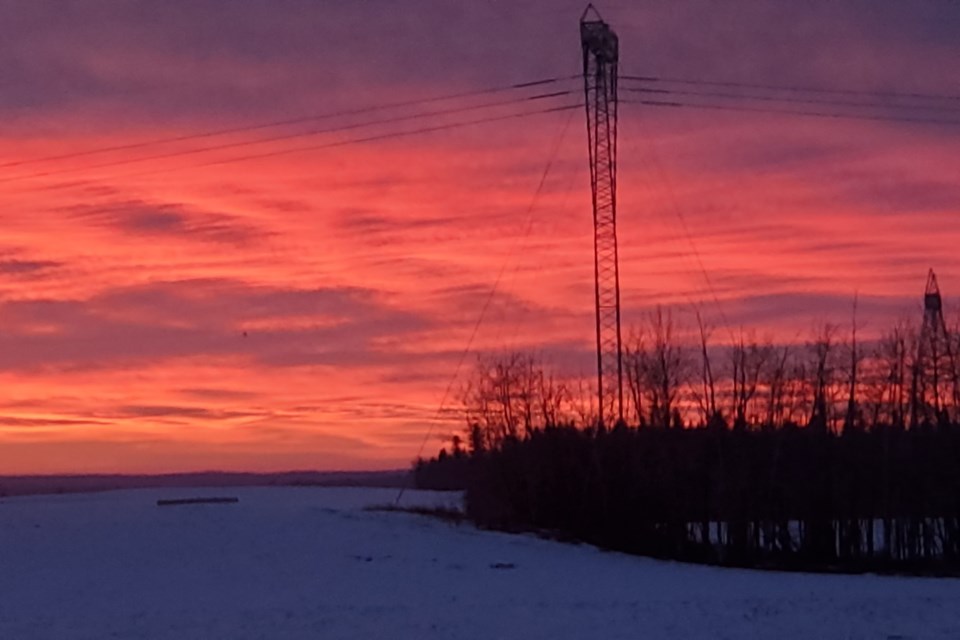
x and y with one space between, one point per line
312 563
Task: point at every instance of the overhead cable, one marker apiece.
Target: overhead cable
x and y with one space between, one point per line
794 112
290 121
285 137
353 141
794 100
793 88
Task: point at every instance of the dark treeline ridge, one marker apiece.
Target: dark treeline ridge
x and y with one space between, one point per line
792 498
828 456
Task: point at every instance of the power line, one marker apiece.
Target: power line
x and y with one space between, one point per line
820 101
524 310
290 136
794 112
289 122
685 228
531 208
352 141
793 88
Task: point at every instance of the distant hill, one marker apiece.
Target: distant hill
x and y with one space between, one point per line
33 485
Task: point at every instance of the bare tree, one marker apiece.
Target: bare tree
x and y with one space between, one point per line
856 357
512 396
748 359
584 404
707 399
554 398
665 369
822 347
634 361
777 387
892 364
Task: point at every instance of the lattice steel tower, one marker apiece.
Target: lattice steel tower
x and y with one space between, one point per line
600 54
934 366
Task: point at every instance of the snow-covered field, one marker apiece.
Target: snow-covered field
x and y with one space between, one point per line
312 563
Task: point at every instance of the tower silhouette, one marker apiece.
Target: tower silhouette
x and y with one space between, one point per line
934 386
600 59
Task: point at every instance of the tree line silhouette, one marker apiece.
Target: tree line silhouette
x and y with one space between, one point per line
834 454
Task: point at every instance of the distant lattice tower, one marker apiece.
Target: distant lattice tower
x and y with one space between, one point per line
934 366
600 58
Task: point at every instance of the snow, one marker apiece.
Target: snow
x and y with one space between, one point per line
313 563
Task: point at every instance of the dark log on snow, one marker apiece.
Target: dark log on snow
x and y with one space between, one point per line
178 501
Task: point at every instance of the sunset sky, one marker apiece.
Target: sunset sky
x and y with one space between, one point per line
308 310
